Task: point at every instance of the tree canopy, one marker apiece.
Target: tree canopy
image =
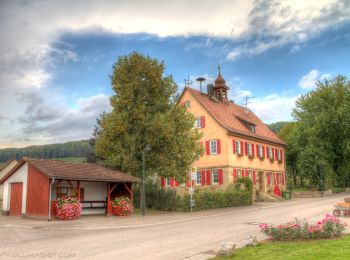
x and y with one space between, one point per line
319 141
145 112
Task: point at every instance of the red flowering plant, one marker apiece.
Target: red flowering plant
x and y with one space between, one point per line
329 227
122 206
67 208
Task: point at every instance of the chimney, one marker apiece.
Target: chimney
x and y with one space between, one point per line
210 90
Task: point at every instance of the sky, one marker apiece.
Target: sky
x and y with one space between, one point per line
56 56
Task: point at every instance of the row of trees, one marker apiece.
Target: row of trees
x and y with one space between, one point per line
70 149
318 152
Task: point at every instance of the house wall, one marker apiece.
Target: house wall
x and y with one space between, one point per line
21 175
37 193
3 172
227 160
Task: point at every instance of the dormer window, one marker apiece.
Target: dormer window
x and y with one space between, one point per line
252 128
187 104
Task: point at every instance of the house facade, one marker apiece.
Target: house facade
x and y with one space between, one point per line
236 142
33 185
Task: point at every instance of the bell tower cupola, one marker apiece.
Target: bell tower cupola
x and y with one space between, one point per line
220 89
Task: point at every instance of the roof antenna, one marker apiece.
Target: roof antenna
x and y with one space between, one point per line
200 79
188 82
246 103
219 69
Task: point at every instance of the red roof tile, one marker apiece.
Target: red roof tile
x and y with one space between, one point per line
231 117
74 171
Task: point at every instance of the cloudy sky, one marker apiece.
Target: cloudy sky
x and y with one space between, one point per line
56 56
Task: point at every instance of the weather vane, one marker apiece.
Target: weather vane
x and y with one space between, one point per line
188 82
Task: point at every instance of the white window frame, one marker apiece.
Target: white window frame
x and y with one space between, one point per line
250 174
249 148
198 122
238 146
214 172
279 155
239 173
269 149
199 178
187 104
260 150
213 146
167 182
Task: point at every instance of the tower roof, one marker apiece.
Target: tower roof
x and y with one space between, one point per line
220 81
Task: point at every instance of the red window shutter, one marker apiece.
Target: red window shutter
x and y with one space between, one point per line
218 146
268 179
208 177
234 146
282 156
162 181
254 178
246 173
188 183
235 175
267 152
253 150
276 157
202 121
263 150
172 183
207 147
242 152
203 177
257 150
176 183
221 181
282 178
245 148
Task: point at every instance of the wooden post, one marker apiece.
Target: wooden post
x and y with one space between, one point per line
132 193
78 187
109 209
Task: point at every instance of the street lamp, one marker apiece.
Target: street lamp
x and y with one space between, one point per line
143 202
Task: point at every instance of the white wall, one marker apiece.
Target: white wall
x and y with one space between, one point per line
93 191
21 175
3 172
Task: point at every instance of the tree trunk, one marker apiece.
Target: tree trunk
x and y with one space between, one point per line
301 181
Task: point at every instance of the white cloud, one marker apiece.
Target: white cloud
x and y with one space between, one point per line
273 108
309 80
36 78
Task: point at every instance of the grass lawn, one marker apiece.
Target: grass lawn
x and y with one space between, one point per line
321 249
72 159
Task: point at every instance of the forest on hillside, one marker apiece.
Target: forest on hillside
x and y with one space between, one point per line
70 149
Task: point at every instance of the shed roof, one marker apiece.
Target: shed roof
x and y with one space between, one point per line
73 171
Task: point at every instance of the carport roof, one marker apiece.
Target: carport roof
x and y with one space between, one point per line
73 171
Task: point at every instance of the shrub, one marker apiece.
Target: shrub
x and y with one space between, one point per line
168 200
338 189
122 206
244 183
328 227
67 208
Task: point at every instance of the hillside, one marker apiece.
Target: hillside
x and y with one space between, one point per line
70 149
277 126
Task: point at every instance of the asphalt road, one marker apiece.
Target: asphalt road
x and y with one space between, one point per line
165 236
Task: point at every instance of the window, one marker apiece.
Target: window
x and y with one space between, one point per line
260 151
187 104
270 152
198 122
69 192
250 151
199 178
279 155
252 127
250 173
239 173
215 176
167 181
238 147
213 147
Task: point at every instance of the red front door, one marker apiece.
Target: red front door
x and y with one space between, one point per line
16 199
277 190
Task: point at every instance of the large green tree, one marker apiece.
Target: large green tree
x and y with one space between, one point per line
323 133
145 111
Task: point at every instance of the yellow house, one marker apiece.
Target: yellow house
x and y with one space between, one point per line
237 143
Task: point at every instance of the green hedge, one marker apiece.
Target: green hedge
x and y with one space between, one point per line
167 199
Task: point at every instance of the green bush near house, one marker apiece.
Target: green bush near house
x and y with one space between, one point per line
338 189
167 199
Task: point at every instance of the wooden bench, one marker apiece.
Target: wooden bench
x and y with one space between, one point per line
91 204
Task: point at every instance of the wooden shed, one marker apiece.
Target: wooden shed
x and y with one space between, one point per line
32 186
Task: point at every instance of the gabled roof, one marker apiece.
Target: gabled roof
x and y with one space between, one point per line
73 171
232 117
6 164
